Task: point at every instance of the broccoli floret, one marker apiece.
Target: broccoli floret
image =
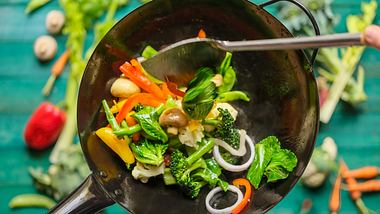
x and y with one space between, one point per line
224 128
148 152
193 172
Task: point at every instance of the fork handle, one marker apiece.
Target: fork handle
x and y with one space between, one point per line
333 40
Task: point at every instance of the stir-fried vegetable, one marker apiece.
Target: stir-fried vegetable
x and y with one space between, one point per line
188 134
224 128
201 94
148 152
271 160
247 195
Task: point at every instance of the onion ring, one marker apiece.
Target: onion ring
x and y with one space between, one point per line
227 210
234 168
242 148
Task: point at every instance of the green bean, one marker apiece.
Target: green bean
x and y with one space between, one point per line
34 5
111 119
31 200
128 131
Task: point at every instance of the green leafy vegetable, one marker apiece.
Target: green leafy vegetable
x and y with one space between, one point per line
281 164
149 153
31 200
149 52
148 119
34 5
233 96
271 160
201 94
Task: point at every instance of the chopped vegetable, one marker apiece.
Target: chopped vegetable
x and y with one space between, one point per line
247 195
182 166
54 21
31 200
44 126
139 79
147 152
368 172
216 190
140 98
335 194
148 119
174 89
201 94
56 71
143 172
149 52
124 88
201 34
173 117
235 168
34 5
267 161
111 119
45 48
281 164
169 179
224 128
233 96
119 146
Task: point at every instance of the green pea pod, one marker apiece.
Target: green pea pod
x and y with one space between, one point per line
31 200
229 80
233 96
225 64
34 5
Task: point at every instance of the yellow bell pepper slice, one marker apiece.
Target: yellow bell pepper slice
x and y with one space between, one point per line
119 146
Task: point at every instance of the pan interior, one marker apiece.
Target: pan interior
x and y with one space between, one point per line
284 100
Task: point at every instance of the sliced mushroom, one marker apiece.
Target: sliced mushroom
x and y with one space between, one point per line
124 88
45 48
173 118
54 21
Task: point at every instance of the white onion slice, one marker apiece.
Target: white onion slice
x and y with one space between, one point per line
227 210
242 148
235 168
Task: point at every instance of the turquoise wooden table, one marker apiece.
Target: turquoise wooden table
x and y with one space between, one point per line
357 131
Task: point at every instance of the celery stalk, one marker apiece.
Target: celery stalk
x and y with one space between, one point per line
350 60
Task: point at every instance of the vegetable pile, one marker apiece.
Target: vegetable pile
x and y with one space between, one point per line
335 67
187 135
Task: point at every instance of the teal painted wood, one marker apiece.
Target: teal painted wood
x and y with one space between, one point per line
357 132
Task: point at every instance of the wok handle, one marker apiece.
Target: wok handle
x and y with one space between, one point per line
89 197
308 14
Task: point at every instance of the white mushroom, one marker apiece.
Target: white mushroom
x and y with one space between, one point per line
45 48
54 21
124 88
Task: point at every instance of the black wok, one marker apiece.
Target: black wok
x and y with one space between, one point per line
280 83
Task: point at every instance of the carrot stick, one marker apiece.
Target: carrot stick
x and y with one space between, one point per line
202 34
368 186
368 172
56 70
355 195
335 194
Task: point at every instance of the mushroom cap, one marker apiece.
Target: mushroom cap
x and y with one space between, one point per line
54 21
173 117
45 47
